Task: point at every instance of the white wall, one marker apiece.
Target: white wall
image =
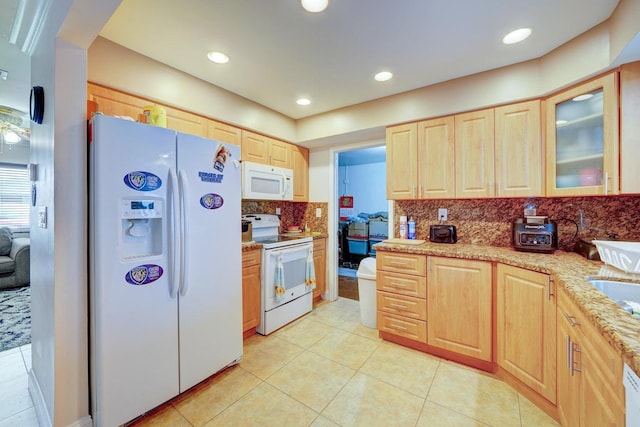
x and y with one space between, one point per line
17 153
367 184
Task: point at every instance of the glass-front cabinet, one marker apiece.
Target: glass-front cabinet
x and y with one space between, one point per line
582 139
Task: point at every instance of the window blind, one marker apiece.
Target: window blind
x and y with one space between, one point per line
15 195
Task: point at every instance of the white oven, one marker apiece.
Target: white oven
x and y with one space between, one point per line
290 253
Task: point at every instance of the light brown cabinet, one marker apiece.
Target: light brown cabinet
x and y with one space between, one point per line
486 153
320 266
300 164
582 139
526 328
436 159
262 149
250 290
400 296
590 389
115 103
474 154
629 128
224 133
401 161
459 307
518 150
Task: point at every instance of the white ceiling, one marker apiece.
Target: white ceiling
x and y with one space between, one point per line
279 52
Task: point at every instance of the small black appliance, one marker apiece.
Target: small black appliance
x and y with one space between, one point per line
443 233
535 234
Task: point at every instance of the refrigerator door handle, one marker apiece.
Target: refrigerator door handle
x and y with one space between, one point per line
184 214
174 235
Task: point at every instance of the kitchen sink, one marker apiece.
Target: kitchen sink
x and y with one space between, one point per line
626 294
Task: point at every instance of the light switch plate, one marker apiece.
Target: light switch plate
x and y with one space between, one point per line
318 212
42 217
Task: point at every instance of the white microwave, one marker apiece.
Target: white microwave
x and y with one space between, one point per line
264 182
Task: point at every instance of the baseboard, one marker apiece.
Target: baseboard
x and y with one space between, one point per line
44 418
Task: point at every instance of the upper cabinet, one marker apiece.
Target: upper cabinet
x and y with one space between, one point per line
436 159
486 153
224 133
114 103
582 139
300 164
262 149
518 150
474 154
629 128
402 162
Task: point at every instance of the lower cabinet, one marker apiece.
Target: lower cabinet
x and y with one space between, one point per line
250 290
401 286
526 328
459 307
590 389
320 266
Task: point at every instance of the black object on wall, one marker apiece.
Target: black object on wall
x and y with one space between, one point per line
36 104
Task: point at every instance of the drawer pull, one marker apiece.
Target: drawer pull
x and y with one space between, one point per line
398 264
399 285
404 307
398 327
570 319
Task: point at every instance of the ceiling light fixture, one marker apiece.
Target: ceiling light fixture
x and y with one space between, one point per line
383 76
303 101
217 57
516 36
314 6
10 137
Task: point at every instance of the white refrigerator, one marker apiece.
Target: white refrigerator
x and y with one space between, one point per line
165 265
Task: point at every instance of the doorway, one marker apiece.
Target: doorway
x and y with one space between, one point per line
361 197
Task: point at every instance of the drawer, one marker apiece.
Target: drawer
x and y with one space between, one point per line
402 326
405 284
251 257
402 263
402 305
319 244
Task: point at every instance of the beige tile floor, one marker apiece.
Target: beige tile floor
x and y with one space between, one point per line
325 369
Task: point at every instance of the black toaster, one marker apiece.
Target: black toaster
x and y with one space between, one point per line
443 233
535 235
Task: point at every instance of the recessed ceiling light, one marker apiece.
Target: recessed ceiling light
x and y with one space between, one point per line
314 6
217 57
383 76
583 97
303 101
516 36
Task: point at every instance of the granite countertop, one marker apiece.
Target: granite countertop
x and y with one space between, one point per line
617 326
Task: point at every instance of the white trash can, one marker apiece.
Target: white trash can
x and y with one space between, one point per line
367 291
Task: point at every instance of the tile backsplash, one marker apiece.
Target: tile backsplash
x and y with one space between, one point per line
292 213
488 221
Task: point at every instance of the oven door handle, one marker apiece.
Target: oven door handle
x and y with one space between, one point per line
301 248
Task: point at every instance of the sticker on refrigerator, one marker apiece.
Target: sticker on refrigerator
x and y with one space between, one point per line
220 159
144 274
142 181
211 201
